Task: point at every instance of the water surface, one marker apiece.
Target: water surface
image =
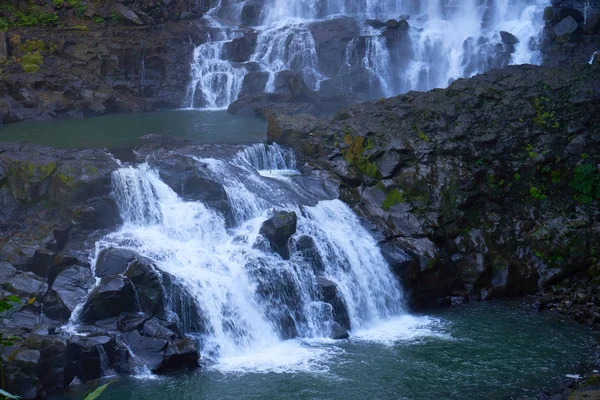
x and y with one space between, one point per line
120 130
478 351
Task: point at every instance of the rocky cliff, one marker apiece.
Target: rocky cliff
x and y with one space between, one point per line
487 189
74 59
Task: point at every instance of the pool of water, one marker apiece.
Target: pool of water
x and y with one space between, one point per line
476 351
120 130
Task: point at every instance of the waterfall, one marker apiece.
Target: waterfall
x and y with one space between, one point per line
430 44
593 57
245 297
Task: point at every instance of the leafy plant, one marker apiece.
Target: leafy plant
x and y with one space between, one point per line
586 182
94 392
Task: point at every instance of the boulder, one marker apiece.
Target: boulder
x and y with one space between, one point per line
508 38
566 30
25 284
240 49
88 357
20 372
161 355
98 213
127 14
278 230
254 83
307 250
331 296
148 283
113 296
68 291
113 261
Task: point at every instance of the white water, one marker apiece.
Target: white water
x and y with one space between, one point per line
241 294
593 57
446 40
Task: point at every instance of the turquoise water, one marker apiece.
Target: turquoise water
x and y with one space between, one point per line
477 351
120 130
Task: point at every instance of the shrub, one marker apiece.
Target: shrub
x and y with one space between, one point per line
586 182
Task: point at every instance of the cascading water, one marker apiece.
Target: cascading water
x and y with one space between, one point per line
243 297
344 46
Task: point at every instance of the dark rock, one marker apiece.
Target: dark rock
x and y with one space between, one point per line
251 13
20 372
508 38
278 230
88 357
337 332
391 24
41 262
98 213
240 50
254 83
113 295
147 281
26 284
566 30
113 261
306 249
68 291
330 295
127 14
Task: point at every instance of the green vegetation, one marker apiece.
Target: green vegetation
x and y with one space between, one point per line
31 62
537 193
544 118
392 198
586 182
353 154
424 137
27 16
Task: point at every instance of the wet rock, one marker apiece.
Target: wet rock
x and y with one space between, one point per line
250 14
160 355
20 371
192 181
240 50
566 30
113 295
330 295
278 230
26 284
254 83
508 38
148 284
98 213
88 357
337 332
113 261
68 291
306 249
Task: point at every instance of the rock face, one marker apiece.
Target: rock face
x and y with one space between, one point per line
571 33
485 189
137 61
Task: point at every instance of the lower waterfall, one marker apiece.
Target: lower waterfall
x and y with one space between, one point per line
242 298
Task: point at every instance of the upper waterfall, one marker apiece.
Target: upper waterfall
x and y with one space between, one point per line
358 48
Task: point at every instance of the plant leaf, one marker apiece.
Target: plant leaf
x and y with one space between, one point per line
8 395
31 300
14 299
96 393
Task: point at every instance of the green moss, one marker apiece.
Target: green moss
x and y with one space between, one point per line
66 179
517 177
544 117
353 154
48 169
31 68
424 137
537 193
392 198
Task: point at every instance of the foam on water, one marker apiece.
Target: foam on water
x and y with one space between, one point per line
241 300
